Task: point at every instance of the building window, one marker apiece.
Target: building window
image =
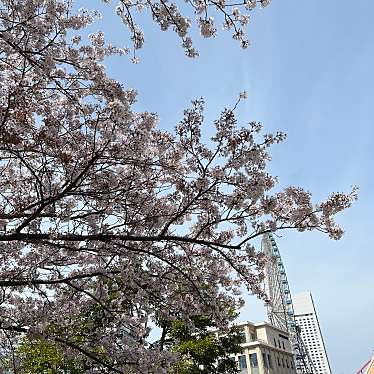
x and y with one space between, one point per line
253 360
242 362
243 338
269 361
265 360
279 363
283 362
283 345
253 336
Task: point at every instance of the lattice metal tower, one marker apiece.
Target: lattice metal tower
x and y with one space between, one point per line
279 303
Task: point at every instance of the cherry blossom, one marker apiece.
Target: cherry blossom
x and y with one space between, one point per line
107 223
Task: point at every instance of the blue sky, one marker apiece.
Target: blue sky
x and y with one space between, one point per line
309 72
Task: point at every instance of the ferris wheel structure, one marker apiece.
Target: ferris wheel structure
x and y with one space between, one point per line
279 304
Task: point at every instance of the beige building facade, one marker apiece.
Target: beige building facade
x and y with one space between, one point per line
266 350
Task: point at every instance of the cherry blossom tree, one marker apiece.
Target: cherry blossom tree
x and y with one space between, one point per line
108 223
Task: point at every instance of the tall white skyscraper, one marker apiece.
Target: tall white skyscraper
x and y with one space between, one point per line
306 318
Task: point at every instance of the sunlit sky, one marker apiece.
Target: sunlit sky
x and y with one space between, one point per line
309 73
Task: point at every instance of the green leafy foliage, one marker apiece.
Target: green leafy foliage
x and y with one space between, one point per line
202 350
44 357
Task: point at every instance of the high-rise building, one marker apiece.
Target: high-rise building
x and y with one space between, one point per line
306 319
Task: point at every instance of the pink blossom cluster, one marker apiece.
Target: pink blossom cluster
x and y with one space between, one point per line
208 14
